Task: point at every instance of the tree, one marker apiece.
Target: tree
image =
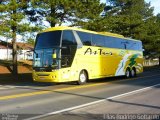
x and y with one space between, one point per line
135 19
128 16
152 41
158 37
88 15
73 12
31 41
12 23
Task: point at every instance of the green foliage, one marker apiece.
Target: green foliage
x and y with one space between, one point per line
88 15
12 21
76 12
152 39
135 19
31 41
13 18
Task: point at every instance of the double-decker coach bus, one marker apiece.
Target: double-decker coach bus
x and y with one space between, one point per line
63 54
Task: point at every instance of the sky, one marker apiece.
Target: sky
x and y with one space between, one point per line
154 3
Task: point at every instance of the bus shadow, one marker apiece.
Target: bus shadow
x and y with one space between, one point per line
23 79
150 77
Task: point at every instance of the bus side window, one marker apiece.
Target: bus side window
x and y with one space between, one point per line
85 38
69 46
98 40
68 38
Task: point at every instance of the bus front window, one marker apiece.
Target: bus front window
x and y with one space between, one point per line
44 59
47 51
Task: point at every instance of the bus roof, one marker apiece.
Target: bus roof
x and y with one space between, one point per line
88 31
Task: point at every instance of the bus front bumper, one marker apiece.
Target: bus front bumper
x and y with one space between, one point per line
46 76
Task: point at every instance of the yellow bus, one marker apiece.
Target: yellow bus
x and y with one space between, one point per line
63 54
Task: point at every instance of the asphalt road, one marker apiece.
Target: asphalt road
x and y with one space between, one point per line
55 102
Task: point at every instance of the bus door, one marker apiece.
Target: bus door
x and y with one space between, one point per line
68 51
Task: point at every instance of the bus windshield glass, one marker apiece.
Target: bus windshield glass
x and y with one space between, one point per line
44 58
48 40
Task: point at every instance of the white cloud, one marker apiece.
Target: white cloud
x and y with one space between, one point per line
156 5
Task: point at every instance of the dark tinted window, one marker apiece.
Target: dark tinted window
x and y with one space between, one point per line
124 43
107 41
120 43
48 39
131 45
134 45
113 42
69 47
98 40
110 42
140 45
85 38
68 38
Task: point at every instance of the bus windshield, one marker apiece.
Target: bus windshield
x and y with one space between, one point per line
44 58
47 44
48 40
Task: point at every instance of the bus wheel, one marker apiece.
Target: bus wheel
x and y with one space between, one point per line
133 72
82 78
128 73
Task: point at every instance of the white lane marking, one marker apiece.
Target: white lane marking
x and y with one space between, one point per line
91 103
13 86
65 110
132 92
2 87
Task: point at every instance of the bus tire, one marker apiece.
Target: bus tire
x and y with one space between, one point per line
83 77
128 73
133 72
